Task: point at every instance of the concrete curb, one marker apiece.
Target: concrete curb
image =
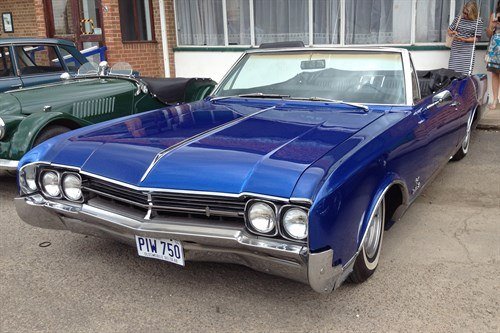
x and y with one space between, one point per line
488 127
490 120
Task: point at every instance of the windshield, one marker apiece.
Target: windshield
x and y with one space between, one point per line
359 77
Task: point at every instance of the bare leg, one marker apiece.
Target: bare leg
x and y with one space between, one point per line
495 84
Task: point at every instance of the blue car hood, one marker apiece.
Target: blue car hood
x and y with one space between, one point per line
230 146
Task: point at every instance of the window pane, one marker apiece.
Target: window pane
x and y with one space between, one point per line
135 20
89 10
70 61
432 20
378 21
326 21
63 21
238 22
347 75
5 63
37 59
281 20
487 7
200 22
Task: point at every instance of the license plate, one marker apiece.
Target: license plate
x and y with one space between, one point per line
163 249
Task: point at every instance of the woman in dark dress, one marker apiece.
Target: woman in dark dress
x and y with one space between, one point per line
465 29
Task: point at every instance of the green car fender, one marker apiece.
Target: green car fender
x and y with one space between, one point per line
29 129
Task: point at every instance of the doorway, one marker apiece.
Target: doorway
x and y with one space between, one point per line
77 20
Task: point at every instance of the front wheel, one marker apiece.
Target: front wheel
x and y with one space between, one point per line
464 148
50 132
367 260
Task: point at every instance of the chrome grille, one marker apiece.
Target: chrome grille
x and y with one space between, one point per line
199 204
154 203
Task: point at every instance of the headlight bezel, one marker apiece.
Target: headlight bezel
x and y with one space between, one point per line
275 230
3 128
64 175
42 186
23 182
283 231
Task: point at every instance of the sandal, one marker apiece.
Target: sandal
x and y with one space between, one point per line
492 106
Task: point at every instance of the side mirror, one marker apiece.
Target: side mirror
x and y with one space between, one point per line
441 99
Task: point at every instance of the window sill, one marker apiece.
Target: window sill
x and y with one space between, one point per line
139 42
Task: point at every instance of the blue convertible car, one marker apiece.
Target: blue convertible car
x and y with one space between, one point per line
294 167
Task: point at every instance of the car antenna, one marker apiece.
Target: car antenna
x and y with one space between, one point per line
475 34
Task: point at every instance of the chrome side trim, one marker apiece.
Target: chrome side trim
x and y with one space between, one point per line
199 136
8 164
304 201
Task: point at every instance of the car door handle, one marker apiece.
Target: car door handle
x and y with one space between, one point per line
16 85
455 104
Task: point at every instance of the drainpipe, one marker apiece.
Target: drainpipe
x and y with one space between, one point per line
163 24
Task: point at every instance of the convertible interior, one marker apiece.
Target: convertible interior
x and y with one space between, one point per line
431 81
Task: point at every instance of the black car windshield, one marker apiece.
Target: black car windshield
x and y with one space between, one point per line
351 76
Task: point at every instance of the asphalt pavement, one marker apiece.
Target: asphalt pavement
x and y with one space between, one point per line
439 272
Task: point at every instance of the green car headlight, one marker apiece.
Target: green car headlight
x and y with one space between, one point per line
2 129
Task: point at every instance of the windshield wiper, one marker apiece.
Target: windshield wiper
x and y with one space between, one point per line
264 95
251 95
321 99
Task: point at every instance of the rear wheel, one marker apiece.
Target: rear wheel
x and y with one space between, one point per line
50 132
464 148
367 261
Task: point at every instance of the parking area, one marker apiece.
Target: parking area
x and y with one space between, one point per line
439 272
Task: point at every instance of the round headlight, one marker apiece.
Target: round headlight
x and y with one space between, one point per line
72 186
295 223
50 183
262 217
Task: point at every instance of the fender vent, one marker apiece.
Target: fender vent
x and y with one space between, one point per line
94 107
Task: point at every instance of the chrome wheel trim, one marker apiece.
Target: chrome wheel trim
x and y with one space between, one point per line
373 240
466 142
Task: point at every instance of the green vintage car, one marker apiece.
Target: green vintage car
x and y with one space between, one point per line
32 115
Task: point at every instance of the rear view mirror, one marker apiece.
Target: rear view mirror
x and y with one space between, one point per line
313 64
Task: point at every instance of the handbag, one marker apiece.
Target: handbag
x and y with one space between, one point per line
449 39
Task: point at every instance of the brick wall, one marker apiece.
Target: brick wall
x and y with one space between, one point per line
145 57
27 16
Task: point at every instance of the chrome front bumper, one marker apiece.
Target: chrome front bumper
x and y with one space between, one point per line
201 241
8 164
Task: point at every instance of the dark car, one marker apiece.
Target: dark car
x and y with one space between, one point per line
26 62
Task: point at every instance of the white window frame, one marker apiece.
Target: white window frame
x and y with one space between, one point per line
342 29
